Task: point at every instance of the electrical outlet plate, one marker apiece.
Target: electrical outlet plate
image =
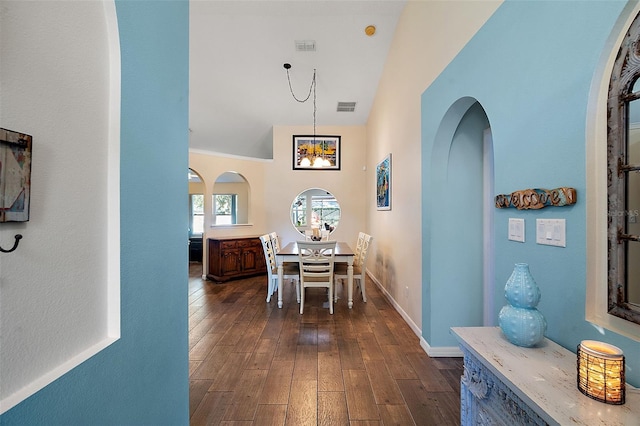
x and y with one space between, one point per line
551 232
516 230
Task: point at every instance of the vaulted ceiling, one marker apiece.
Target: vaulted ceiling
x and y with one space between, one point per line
238 85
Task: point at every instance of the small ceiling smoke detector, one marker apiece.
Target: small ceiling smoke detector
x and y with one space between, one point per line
346 106
305 45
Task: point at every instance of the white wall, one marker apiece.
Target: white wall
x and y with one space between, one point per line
428 36
210 166
196 187
347 184
274 184
54 289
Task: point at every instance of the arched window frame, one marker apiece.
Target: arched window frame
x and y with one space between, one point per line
625 73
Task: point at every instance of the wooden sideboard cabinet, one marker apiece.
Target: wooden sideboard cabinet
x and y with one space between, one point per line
235 257
504 384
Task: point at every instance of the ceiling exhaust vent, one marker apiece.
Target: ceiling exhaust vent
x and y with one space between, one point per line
305 45
346 106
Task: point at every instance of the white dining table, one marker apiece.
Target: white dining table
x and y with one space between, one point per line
289 253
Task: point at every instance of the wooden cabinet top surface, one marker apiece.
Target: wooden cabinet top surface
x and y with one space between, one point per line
234 238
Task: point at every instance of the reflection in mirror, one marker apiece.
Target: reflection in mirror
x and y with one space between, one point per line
315 208
230 200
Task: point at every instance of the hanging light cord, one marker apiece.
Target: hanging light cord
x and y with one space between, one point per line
312 88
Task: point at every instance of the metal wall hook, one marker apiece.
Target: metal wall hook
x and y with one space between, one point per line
18 237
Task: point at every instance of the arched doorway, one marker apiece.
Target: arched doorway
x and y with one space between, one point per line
461 222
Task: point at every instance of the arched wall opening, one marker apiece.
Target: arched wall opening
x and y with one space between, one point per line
461 234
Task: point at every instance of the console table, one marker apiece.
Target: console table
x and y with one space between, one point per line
504 384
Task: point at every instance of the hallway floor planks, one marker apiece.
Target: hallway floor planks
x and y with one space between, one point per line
254 364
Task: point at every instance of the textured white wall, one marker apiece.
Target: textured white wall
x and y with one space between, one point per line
54 292
428 36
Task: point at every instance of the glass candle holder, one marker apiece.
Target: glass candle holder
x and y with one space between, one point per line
601 372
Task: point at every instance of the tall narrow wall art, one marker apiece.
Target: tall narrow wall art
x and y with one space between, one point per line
383 184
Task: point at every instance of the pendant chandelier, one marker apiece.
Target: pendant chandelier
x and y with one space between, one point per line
315 158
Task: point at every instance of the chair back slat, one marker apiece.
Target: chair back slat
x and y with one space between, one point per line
361 256
275 242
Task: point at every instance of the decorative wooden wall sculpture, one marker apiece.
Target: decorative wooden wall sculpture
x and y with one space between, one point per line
537 198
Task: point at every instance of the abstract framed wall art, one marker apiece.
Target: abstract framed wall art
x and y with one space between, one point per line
316 152
383 184
15 176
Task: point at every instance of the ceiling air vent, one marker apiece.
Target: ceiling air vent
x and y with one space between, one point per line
305 45
346 106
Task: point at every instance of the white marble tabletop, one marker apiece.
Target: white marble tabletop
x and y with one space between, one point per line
544 377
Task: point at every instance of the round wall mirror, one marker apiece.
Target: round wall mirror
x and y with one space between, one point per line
315 208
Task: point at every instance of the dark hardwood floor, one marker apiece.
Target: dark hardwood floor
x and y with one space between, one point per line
254 364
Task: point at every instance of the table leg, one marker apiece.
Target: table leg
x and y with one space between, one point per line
350 281
280 281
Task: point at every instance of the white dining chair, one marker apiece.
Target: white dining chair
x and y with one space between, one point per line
290 270
359 264
316 259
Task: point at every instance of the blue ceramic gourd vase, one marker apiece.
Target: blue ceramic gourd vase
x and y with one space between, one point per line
520 321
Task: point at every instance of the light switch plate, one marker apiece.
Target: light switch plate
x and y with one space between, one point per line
516 229
551 232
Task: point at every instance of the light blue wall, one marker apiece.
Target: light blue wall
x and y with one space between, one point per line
459 223
143 377
530 67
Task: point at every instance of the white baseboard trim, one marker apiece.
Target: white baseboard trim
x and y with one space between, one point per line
440 352
437 352
403 314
